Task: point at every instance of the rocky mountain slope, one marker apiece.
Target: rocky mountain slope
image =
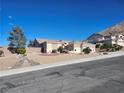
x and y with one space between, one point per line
116 29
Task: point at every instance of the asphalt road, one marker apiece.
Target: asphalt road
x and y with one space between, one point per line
101 76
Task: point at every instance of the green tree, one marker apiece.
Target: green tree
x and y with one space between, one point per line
17 39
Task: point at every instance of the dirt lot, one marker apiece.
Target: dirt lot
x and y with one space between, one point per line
9 60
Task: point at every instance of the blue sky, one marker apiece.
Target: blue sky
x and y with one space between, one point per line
59 19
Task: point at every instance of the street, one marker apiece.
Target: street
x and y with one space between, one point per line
101 76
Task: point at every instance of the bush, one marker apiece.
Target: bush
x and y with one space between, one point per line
1 52
12 50
54 51
110 47
60 49
106 46
97 46
20 50
118 47
87 50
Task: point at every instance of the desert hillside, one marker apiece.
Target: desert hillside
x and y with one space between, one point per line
116 29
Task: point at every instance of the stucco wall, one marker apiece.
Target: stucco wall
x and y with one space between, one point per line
51 47
77 49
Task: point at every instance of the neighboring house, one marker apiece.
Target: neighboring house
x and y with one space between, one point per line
77 47
74 47
38 42
108 39
95 38
47 46
121 40
50 45
114 39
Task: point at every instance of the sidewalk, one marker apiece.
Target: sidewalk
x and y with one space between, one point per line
62 63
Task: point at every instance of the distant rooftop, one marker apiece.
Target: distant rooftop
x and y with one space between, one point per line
52 41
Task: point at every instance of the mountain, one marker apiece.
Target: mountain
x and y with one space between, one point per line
116 29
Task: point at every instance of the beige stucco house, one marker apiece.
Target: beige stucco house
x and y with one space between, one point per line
50 45
77 47
74 47
47 46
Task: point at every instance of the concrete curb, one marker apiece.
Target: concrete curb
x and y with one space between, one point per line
57 64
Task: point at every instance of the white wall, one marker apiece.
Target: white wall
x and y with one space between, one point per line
121 40
77 49
49 48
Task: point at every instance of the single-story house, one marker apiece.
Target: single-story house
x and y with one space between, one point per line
47 46
77 47
74 47
50 45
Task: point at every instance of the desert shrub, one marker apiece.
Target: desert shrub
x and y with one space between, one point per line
20 50
60 49
87 50
12 49
97 46
118 47
106 46
111 50
110 47
1 52
54 51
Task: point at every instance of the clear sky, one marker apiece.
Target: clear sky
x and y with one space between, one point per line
59 19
